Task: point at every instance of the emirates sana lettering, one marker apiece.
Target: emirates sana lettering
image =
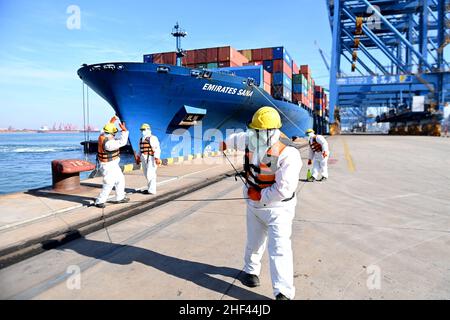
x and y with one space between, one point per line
227 90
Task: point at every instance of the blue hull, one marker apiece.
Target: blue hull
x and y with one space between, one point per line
140 94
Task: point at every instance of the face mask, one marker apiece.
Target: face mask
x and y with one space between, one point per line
260 141
146 133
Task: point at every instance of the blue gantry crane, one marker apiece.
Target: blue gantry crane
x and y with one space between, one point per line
396 53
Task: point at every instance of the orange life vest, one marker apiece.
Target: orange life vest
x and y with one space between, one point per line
146 147
104 155
315 146
262 176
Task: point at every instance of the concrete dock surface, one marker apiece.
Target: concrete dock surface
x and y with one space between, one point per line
379 228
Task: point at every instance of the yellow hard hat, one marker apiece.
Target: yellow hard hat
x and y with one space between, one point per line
145 126
110 128
309 131
266 118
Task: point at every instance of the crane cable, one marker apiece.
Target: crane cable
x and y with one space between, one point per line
85 146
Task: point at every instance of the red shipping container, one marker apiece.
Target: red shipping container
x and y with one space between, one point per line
305 69
267 88
212 55
201 56
266 54
287 69
277 65
232 55
257 54
282 66
224 53
158 58
267 77
295 68
169 58
189 58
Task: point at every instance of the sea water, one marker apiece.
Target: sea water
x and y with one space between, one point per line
25 158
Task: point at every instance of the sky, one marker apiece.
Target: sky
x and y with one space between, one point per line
40 54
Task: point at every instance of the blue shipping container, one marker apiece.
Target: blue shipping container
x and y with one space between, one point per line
148 58
287 94
277 78
281 53
280 78
287 82
278 53
297 88
268 65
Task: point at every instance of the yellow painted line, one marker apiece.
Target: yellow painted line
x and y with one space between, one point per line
348 157
170 161
180 159
190 157
128 168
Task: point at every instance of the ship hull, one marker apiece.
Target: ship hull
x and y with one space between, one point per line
140 94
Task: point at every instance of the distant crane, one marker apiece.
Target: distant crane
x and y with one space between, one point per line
323 56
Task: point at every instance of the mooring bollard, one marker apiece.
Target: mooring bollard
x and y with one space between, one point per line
66 173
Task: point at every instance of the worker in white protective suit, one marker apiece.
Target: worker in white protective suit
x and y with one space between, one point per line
150 156
319 152
271 172
109 158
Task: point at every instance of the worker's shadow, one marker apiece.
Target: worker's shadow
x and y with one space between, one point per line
48 193
195 272
100 185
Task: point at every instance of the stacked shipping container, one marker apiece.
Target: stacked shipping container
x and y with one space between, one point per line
272 68
278 63
320 100
218 57
307 96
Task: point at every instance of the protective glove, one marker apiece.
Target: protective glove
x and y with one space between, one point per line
309 162
254 194
113 119
122 126
158 161
222 146
138 159
325 154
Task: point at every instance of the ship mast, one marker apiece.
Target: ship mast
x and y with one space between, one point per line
179 33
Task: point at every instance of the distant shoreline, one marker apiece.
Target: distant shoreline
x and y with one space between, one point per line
50 131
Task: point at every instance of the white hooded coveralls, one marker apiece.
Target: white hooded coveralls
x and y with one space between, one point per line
111 171
270 220
149 165
320 163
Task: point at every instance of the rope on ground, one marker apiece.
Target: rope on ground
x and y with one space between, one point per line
105 226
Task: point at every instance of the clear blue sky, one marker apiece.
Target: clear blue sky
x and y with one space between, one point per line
39 55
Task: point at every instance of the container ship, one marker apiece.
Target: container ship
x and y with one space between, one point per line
192 99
